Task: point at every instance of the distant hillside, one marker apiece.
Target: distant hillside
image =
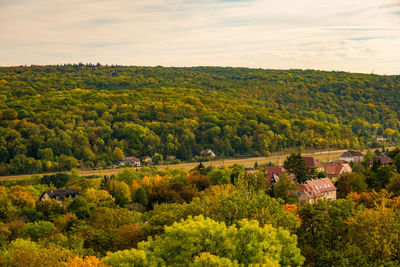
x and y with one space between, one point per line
58 117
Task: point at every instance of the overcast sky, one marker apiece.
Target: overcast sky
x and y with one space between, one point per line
348 35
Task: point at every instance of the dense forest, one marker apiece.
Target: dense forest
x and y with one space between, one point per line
61 117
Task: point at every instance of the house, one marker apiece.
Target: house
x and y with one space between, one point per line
130 161
380 138
59 195
315 189
207 153
383 160
352 156
171 158
146 160
335 170
312 162
274 173
251 171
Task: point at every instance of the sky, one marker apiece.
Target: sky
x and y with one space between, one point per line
341 35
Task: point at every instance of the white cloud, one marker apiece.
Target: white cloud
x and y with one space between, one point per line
358 35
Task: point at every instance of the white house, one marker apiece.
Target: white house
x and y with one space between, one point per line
352 156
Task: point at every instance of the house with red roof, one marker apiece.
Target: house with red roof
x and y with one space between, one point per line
335 170
312 162
130 161
207 153
383 160
274 173
315 189
380 138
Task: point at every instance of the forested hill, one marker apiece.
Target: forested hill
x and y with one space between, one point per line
58 117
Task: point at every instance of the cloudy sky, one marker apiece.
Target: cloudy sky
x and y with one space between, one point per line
356 35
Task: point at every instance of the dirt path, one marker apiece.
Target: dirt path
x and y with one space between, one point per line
247 162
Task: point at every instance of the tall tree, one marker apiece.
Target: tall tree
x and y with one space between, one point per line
295 164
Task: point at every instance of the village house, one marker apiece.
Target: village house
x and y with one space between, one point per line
146 160
352 156
251 170
207 153
130 161
383 160
380 138
171 158
313 163
315 189
274 173
335 170
59 195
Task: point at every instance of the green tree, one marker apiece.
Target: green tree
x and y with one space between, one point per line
295 164
38 230
118 154
121 192
45 154
128 236
220 176
141 196
351 182
58 180
80 207
323 232
157 159
206 259
397 162
7 209
394 185
378 179
285 189
374 235
183 242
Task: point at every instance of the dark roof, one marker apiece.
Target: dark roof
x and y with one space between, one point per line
131 159
312 162
383 160
61 194
348 154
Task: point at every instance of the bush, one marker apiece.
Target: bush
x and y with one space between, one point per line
38 230
221 176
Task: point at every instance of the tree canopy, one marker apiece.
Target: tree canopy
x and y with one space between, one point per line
61 117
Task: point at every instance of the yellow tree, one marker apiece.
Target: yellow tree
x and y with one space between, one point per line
21 197
88 261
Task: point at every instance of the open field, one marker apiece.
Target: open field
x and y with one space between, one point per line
276 158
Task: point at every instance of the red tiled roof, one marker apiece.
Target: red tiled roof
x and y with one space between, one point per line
132 159
333 170
347 167
384 160
309 191
312 162
271 170
314 188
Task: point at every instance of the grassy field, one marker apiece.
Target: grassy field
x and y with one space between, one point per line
276 158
